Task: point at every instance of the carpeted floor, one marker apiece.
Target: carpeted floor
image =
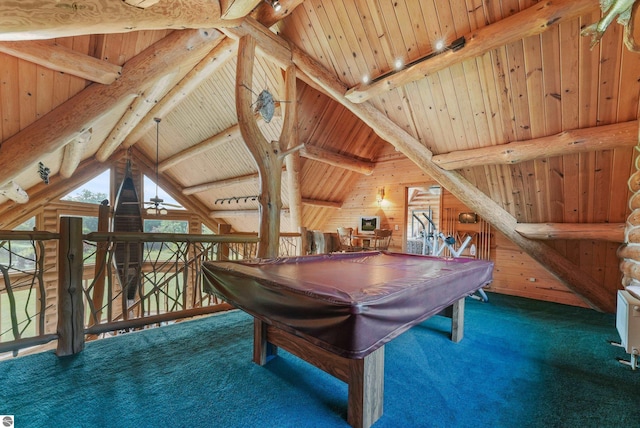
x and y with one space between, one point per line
522 363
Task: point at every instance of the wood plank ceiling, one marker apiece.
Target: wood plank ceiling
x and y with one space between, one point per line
510 83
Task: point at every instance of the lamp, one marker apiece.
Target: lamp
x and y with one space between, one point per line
380 195
275 4
157 205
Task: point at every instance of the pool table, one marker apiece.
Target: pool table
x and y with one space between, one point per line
337 311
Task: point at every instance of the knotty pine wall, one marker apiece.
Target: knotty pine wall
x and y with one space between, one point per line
515 272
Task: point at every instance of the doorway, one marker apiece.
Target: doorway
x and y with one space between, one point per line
423 215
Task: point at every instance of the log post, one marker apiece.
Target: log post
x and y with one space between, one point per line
223 248
304 241
289 140
264 153
100 267
70 305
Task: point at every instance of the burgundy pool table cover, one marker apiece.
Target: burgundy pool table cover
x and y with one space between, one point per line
347 303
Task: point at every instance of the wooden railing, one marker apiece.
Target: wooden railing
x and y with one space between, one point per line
81 296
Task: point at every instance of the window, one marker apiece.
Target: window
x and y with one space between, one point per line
93 192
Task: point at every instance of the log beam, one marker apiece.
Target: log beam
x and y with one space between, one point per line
568 273
60 58
335 159
240 213
76 115
73 154
49 19
12 214
227 182
531 21
568 142
143 4
268 44
138 109
224 50
234 9
322 204
268 16
226 136
612 232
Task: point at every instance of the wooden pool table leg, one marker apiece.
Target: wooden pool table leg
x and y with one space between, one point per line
457 321
364 376
263 350
366 389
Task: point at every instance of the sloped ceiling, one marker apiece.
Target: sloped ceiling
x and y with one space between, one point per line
514 81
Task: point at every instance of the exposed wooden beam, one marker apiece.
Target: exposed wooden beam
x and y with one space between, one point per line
48 19
224 50
575 141
268 16
138 109
143 4
234 9
234 181
612 232
12 214
60 58
268 44
73 154
534 20
323 204
226 136
335 159
75 116
568 273
240 213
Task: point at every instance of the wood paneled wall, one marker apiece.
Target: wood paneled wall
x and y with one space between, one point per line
395 176
515 272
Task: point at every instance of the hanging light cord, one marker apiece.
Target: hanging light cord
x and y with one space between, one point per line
157 119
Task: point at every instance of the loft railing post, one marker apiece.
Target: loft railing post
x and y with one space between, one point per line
70 304
302 249
223 248
100 267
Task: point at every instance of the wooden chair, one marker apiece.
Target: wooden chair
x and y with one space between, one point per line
381 239
345 238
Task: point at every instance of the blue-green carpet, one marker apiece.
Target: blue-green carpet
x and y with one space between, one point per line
522 363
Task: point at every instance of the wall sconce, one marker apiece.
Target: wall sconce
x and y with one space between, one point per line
380 195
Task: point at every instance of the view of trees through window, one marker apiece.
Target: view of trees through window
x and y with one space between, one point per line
93 192
87 196
166 226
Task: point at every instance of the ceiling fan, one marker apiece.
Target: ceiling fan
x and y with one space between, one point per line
157 205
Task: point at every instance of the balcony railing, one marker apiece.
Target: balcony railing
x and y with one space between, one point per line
89 289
